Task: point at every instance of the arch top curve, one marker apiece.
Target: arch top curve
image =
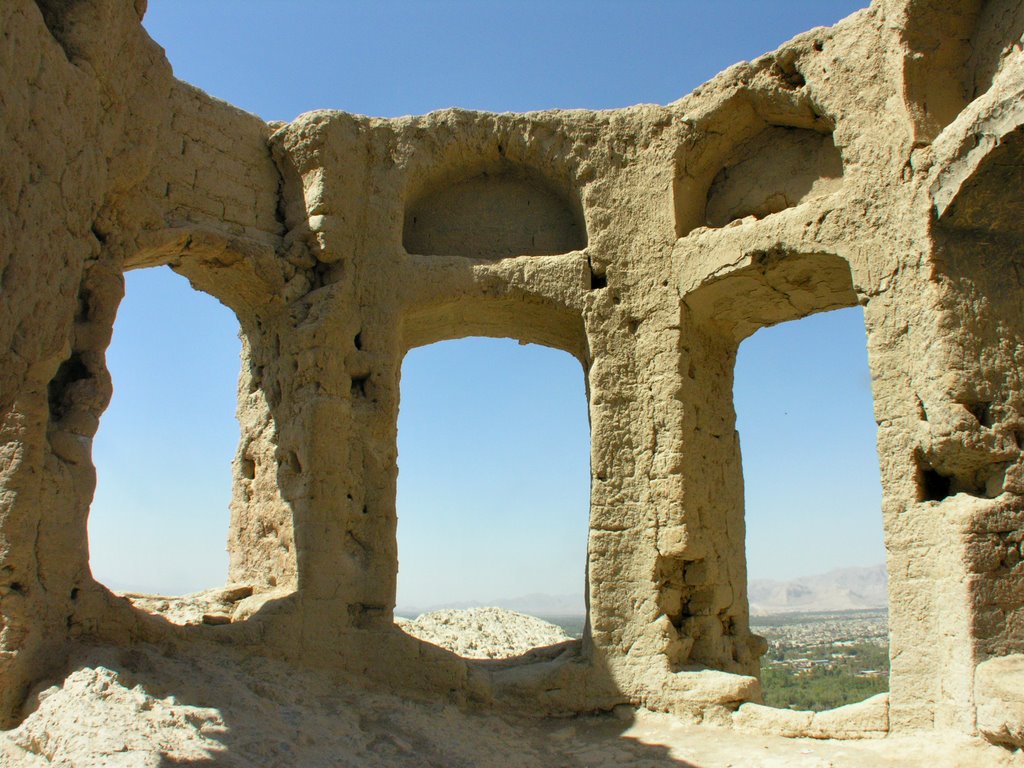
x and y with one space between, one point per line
529 322
242 273
774 287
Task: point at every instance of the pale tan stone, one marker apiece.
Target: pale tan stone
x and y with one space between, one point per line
876 162
862 720
999 688
780 722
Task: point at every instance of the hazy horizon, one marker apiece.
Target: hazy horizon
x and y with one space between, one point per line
543 604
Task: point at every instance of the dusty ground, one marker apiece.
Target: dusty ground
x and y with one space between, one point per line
209 606
212 706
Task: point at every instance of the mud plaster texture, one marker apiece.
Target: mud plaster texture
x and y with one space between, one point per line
877 162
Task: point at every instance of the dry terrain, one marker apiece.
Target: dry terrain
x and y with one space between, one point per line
211 705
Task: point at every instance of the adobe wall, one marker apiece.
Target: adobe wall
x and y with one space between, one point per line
873 163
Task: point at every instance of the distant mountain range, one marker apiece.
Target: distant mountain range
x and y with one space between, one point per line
845 589
535 604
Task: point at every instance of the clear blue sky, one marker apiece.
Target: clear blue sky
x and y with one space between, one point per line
482 489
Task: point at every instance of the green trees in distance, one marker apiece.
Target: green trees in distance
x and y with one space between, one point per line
824 676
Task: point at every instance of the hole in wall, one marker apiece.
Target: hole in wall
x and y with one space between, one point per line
922 414
981 411
85 305
359 385
159 519
686 600
815 553
61 389
493 493
54 13
933 484
248 468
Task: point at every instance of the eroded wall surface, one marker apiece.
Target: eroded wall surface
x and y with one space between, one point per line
877 163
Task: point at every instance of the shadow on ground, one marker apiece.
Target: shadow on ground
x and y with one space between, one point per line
204 705
212 706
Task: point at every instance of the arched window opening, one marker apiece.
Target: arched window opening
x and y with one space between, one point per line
493 496
815 552
159 518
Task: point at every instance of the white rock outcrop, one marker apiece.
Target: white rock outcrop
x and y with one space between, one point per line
484 633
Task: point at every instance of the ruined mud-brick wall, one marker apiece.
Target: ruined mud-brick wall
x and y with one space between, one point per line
873 163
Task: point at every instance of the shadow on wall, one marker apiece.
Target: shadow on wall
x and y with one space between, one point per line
955 57
976 440
777 169
756 168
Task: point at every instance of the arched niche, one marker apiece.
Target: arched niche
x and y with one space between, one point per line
777 169
763 170
492 213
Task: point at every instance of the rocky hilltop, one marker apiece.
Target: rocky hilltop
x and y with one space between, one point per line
484 633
